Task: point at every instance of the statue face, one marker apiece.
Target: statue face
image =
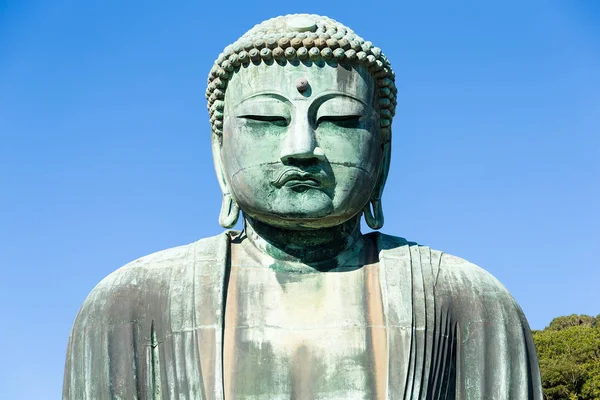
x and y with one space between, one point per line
299 155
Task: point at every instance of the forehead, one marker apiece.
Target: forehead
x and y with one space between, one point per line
352 80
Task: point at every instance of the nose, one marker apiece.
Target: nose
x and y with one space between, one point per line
300 144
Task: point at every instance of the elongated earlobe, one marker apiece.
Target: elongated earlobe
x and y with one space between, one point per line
373 211
374 218
230 212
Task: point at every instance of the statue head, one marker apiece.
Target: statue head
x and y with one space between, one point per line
301 110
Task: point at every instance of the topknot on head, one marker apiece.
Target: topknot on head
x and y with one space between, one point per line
301 38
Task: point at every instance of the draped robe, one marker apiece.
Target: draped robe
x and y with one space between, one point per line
154 329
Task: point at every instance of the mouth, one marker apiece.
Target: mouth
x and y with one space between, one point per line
301 182
294 179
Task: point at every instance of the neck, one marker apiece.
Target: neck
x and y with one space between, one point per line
306 246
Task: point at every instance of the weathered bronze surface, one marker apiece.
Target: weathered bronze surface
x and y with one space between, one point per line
301 304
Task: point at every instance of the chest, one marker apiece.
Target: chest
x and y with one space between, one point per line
304 336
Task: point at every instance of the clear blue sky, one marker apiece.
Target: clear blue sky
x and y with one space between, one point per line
105 147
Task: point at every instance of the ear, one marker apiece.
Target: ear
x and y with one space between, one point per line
373 210
229 209
217 143
383 170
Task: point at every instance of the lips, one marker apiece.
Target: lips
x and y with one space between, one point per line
301 181
294 178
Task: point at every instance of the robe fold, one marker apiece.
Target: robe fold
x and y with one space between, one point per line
154 329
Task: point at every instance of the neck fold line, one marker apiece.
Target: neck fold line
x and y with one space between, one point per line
310 247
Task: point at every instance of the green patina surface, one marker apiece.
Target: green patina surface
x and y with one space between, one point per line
301 304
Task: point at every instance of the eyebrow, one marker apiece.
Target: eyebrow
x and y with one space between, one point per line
323 97
320 99
267 94
326 96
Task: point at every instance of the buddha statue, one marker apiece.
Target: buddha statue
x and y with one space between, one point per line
300 304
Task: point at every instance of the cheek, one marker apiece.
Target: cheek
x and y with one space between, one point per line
354 186
356 161
229 157
243 149
361 149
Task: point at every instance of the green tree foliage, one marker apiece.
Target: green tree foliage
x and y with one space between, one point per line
569 355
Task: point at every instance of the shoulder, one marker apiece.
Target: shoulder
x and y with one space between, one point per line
460 275
155 267
453 276
146 283
474 294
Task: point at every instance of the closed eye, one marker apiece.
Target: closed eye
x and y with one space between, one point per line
274 119
341 120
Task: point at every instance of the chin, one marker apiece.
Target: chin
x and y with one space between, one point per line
297 219
308 209
302 219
